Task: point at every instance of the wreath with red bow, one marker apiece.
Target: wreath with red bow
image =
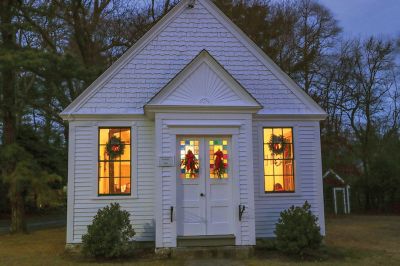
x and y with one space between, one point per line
191 163
219 166
115 147
277 144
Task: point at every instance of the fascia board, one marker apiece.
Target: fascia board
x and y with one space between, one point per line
291 117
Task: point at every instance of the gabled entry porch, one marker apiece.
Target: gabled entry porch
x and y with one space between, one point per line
197 205
204 177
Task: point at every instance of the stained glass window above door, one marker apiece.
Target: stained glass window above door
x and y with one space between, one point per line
189 155
218 153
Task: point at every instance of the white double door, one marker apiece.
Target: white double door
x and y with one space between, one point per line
204 186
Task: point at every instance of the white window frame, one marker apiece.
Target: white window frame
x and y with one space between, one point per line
134 159
278 124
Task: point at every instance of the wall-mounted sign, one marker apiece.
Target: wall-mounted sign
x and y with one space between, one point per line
166 161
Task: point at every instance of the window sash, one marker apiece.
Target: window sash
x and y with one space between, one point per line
124 181
278 167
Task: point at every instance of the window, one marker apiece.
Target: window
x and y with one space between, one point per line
189 155
114 161
278 160
218 153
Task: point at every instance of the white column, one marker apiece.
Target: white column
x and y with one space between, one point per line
334 199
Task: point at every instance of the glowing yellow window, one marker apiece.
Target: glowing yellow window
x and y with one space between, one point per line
278 160
114 161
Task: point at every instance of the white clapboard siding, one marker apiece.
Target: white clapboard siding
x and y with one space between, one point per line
244 159
168 199
172 49
86 202
307 175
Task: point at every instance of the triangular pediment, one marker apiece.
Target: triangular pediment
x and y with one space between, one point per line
204 82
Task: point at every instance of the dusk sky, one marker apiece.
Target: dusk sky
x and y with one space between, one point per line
366 17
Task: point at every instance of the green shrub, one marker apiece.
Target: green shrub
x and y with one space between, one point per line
297 231
110 233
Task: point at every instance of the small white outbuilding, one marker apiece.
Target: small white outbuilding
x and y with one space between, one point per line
340 190
196 133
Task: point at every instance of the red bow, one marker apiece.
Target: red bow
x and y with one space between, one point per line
115 148
190 164
218 159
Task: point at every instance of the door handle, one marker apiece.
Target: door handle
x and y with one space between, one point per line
242 208
201 194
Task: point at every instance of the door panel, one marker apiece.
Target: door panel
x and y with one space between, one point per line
204 190
218 186
190 184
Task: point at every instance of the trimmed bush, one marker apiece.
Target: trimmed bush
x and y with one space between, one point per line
109 234
297 231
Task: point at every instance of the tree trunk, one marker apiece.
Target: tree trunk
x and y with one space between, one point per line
8 73
8 34
367 193
9 119
18 224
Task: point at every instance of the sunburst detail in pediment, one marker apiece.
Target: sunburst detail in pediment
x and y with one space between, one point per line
203 87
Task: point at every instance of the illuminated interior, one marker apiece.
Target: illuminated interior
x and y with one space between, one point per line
220 145
186 147
115 173
278 160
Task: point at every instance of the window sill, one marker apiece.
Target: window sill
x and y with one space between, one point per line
281 194
115 197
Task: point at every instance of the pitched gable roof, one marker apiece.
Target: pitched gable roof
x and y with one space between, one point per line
124 59
268 62
302 104
204 82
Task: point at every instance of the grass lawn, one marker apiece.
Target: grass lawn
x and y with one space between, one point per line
351 240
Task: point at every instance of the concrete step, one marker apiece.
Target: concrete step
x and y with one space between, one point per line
206 241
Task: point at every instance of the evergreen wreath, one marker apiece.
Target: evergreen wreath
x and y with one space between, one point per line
277 144
219 166
191 163
115 147
221 170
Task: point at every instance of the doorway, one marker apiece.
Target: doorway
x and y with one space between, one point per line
204 186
